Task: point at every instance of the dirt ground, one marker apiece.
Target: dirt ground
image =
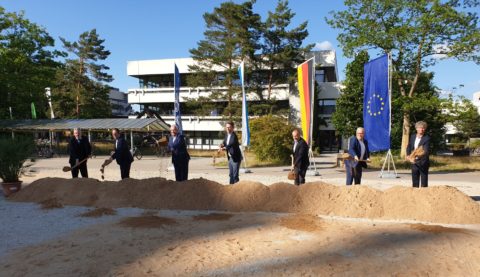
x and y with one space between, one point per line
251 244
383 228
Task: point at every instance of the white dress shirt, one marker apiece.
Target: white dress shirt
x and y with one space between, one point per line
417 141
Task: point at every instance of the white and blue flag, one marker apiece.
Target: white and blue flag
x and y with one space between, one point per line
245 127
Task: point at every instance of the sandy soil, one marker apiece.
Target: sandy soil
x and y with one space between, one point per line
250 229
251 244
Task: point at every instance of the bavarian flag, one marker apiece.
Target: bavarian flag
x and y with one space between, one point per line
376 104
305 90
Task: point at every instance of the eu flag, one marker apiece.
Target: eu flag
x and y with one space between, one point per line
178 115
376 104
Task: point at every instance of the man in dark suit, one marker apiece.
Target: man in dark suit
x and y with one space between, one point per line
122 155
232 147
420 164
79 149
180 156
358 150
300 157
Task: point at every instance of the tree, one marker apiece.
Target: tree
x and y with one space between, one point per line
465 117
82 78
271 138
426 106
231 36
413 32
348 113
27 65
281 48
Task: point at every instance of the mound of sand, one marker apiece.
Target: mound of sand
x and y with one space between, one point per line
441 204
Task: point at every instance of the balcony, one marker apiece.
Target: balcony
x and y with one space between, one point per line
166 95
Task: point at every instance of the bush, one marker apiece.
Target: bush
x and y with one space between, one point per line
13 153
271 139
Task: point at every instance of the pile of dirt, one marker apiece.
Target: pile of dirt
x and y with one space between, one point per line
441 204
51 203
98 212
307 223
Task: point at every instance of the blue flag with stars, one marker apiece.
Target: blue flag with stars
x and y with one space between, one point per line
176 105
376 104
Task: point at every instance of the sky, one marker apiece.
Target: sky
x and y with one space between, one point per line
160 29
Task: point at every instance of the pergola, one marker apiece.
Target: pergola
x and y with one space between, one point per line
104 124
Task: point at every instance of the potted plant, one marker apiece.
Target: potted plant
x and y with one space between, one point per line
13 154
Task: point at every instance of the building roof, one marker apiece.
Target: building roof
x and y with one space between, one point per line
326 58
139 125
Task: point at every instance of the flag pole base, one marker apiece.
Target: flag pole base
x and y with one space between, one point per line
245 170
312 172
389 174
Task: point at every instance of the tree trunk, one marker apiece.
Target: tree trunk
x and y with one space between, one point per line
405 135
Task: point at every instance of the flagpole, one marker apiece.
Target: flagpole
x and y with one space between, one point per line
314 172
389 157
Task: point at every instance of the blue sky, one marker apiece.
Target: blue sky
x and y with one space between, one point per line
155 29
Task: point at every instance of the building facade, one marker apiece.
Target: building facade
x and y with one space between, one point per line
155 92
119 103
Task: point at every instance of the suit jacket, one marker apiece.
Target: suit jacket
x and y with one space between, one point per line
423 161
354 149
233 148
300 155
122 155
79 150
178 149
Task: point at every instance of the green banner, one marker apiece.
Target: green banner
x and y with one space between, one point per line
34 112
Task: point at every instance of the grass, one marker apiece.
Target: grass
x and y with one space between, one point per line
437 163
221 161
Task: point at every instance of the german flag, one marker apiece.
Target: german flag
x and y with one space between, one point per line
305 90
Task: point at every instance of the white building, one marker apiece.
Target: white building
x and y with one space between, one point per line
156 92
119 102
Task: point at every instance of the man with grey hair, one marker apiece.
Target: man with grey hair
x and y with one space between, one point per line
358 150
419 159
300 157
80 150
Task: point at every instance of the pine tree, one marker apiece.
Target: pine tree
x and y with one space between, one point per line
282 48
83 78
231 36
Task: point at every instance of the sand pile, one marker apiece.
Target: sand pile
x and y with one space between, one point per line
435 204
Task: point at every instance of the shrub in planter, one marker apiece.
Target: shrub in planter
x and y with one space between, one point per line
13 154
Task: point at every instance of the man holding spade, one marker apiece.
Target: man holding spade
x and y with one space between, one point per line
80 150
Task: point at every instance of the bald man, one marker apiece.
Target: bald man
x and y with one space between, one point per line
358 150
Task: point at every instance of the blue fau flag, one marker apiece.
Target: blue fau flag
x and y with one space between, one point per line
178 115
245 127
376 104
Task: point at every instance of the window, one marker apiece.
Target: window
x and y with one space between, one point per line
326 106
320 76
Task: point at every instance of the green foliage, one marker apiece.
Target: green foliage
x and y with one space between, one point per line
13 153
231 36
465 117
426 106
414 32
270 50
348 114
271 139
27 66
282 48
80 90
